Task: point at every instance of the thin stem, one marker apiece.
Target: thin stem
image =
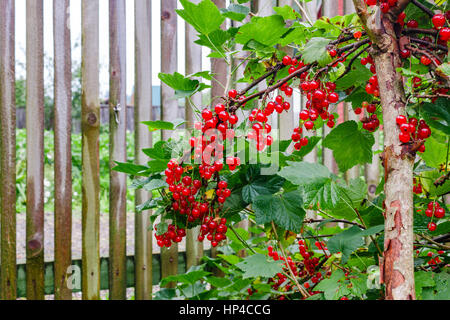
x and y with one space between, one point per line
299 286
242 240
423 8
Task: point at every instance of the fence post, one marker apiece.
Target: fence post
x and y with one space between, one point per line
35 149
286 121
193 62
8 273
90 127
117 150
169 106
63 156
220 70
143 139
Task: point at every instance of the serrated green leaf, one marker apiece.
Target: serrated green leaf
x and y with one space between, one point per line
287 12
437 114
285 210
316 50
258 265
349 240
261 185
149 204
129 168
332 288
204 17
155 184
235 12
183 86
265 30
350 145
436 152
304 173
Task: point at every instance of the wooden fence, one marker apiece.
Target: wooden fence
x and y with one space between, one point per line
117 272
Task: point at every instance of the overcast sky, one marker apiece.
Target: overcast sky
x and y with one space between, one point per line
75 17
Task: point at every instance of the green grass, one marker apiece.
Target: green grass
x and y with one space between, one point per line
76 171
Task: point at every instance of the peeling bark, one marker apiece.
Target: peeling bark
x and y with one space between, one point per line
397 264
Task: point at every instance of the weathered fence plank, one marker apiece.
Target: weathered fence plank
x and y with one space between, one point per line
142 139
8 274
117 149
193 64
286 121
90 127
169 106
35 149
220 70
63 156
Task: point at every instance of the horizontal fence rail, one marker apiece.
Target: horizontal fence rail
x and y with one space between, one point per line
75 273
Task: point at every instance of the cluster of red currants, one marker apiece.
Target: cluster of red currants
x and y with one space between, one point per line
187 200
260 128
434 210
417 187
435 258
280 278
371 123
439 21
173 234
372 85
408 130
213 231
310 262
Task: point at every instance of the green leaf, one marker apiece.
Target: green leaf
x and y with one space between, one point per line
218 282
287 12
258 265
189 278
304 173
231 259
436 152
423 279
204 17
444 69
235 12
349 240
297 34
316 50
129 168
183 86
155 184
261 185
265 30
149 204
359 285
158 125
159 151
332 288
350 145
317 186
214 41
357 76
351 198
285 210
437 114
429 177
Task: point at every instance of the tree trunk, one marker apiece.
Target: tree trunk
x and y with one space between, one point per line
397 264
